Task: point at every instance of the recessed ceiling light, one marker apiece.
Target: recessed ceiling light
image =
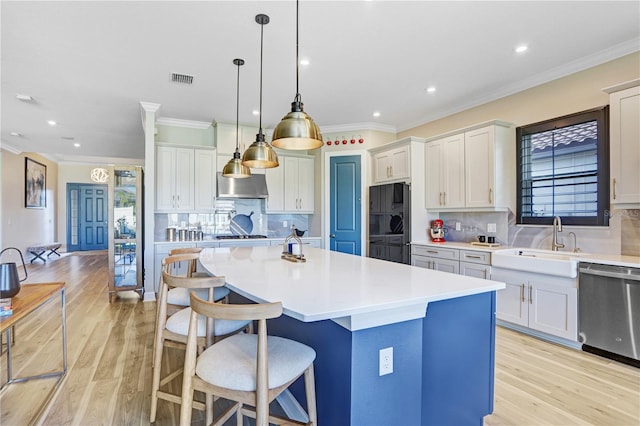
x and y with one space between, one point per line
77 145
68 138
26 98
304 62
376 114
431 89
51 122
256 112
521 49
15 134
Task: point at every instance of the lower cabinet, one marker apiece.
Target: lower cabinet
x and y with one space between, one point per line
540 302
472 263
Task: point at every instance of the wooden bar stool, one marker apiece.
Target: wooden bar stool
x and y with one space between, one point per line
171 331
245 368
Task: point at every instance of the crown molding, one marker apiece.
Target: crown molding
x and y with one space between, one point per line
359 126
581 64
149 106
176 122
10 148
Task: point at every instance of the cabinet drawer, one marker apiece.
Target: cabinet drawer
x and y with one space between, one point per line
474 256
441 253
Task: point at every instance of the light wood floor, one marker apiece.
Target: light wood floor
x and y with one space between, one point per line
110 348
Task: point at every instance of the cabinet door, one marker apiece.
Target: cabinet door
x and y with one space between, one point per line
553 309
290 183
184 179
226 139
421 261
381 167
479 167
399 163
625 146
165 177
444 265
275 186
306 190
475 270
434 174
205 179
453 171
509 303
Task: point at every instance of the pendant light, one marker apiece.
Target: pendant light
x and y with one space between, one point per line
260 154
297 131
234 168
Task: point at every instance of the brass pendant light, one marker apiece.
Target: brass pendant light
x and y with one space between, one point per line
297 131
260 154
234 168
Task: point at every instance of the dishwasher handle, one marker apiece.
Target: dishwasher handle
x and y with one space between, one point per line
612 272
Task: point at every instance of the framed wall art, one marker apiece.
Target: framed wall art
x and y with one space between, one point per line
35 184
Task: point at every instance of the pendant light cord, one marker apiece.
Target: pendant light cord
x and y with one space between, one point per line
261 48
238 107
297 51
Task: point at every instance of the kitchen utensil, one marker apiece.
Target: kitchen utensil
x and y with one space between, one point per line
300 233
241 224
171 234
193 235
491 240
183 235
396 224
481 238
9 280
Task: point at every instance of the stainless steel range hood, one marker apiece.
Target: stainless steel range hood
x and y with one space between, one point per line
254 186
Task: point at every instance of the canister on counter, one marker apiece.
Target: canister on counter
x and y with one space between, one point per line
171 234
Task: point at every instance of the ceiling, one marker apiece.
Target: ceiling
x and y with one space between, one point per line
88 65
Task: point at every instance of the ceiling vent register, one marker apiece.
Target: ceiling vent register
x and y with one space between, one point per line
181 78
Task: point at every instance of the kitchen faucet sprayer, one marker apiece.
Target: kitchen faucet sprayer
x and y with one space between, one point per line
557 227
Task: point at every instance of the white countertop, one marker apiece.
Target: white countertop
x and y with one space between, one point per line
356 292
607 259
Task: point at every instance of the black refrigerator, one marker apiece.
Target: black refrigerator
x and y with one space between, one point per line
390 222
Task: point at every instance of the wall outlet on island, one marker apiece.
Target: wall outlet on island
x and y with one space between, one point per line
386 361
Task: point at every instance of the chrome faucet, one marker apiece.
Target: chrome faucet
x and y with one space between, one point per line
557 227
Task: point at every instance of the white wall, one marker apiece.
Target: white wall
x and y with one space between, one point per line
22 227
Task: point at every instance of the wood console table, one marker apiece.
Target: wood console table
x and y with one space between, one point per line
30 298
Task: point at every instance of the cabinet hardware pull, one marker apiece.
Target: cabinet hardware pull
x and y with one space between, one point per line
300 203
432 251
530 295
490 195
614 188
484 274
391 169
522 293
473 257
440 199
444 198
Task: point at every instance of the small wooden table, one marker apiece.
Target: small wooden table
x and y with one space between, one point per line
30 298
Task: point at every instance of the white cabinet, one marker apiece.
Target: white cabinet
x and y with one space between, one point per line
275 186
436 258
472 169
226 138
174 178
185 179
624 145
205 179
540 302
445 172
162 251
391 164
291 189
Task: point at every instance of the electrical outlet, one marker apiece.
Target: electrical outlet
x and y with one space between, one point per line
458 226
386 361
491 227
284 224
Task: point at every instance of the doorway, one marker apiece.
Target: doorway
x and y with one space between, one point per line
87 225
345 203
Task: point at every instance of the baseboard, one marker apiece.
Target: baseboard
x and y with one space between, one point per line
541 335
149 296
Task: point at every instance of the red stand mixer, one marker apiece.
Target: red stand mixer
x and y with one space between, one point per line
437 231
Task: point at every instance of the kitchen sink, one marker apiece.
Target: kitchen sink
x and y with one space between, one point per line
558 263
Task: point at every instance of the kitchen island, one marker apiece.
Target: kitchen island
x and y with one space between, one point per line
441 327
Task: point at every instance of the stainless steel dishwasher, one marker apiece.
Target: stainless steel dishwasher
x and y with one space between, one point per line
609 310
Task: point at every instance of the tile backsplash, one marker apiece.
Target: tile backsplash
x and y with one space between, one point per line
218 221
622 236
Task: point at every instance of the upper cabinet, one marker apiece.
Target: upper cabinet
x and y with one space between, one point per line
624 144
185 179
226 137
291 185
391 164
472 169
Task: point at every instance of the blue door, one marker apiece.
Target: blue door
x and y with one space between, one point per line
345 204
87 225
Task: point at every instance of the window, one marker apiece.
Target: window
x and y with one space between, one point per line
563 170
